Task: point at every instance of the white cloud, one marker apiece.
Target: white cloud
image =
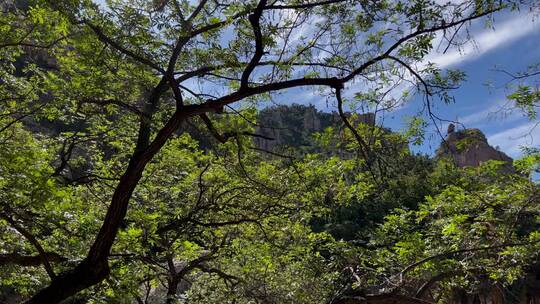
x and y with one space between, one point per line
483 41
510 141
489 39
499 110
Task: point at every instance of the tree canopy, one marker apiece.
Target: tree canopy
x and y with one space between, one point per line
131 173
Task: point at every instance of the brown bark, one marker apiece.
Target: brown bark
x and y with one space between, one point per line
29 260
67 284
94 268
171 290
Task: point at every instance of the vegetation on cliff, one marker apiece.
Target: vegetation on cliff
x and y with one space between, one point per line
135 164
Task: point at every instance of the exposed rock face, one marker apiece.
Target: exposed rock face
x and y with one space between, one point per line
294 125
469 148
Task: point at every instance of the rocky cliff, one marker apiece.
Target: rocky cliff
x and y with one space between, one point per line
470 148
294 125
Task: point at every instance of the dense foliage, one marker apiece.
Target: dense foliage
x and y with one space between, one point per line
130 169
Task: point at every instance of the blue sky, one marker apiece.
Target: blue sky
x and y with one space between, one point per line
512 44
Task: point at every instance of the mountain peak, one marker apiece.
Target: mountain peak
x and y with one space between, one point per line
470 148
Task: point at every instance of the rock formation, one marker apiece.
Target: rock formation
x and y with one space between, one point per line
294 125
470 148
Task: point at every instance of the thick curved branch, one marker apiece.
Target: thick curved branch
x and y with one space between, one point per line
30 260
206 70
196 11
395 45
332 82
254 20
95 267
304 5
360 69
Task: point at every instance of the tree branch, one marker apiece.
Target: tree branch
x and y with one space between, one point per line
108 40
32 240
254 19
305 5
30 260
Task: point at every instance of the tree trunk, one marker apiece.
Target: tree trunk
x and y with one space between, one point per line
94 268
67 284
171 291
